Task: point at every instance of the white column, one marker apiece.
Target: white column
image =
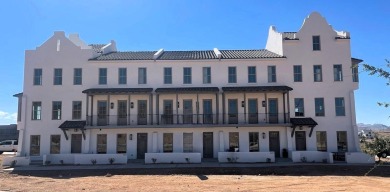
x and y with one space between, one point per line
221 142
154 142
290 146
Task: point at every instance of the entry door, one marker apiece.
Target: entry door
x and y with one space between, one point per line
273 110
167 117
233 111
252 111
122 112
274 142
142 117
142 145
207 111
187 113
102 113
208 151
76 143
300 140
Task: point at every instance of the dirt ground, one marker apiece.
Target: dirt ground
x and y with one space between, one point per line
319 177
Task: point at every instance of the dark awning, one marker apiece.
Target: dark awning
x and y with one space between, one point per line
188 90
73 125
257 89
117 90
300 122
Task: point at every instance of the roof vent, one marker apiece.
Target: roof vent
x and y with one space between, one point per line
217 53
158 54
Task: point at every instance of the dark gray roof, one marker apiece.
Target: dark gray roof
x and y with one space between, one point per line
187 89
356 60
117 90
97 47
131 55
187 55
290 36
18 94
257 89
303 122
249 54
73 125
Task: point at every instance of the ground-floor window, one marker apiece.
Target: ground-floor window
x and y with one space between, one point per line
321 141
187 142
35 145
76 142
300 140
168 142
55 141
342 144
121 143
253 141
233 141
101 147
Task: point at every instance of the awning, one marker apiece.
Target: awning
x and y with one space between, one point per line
73 125
257 89
96 91
301 122
188 90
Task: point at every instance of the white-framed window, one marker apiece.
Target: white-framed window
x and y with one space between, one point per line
317 71
37 77
316 43
299 107
121 143
338 72
339 106
234 141
142 75
252 74
271 74
321 141
206 75
36 110
56 110
167 75
76 110
35 145
122 76
187 142
57 80
319 106
297 73
168 142
253 141
101 147
187 75
55 144
77 76
232 75
102 76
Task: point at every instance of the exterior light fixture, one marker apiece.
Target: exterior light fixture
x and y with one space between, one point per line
263 104
242 103
131 137
112 105
132 105
178 104
263 135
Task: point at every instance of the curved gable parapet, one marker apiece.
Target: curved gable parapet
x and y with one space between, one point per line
315 24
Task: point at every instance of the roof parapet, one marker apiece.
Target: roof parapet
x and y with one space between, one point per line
158 54
217 53
111 47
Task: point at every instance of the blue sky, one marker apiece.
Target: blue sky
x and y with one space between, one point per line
190 25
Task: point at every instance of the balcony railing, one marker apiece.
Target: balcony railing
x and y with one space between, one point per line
188 119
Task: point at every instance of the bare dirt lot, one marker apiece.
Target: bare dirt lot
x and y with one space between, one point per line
319 177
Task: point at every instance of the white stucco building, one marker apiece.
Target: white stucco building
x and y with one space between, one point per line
294 99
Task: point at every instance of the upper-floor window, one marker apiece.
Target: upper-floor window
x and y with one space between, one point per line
319 106
340 106
187 75
271 74
122 76
252 74
142 75
316 43
76 110
56 112
355 73
77 76
338 72
37 76
57 77
232 75
297 73
317 71
167 75
36 110
299 107
102 76
206 75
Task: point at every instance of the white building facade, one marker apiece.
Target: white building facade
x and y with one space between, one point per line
294 99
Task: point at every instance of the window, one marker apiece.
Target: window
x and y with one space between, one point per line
121 144
321 141
187 142
271 74
297 73
355 73
76 110
37 76
232 75
35 145
338 72
122 76
55 141
316 43
142 76
57 77
187 75
319 106
253 141
77 76
340 106
233 141
299 107
36 110
102 76
101 147
317 69
206 75
252 74
56 112
168 142
342 144
167 75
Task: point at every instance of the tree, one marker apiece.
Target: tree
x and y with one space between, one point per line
377 146
381 73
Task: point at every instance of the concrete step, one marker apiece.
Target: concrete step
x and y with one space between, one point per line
36 162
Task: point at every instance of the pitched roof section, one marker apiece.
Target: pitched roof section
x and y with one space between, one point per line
187 90
257 89
303 121
187 55
73 125
117 90
249 54
131 55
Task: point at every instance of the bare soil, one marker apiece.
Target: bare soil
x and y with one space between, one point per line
316 177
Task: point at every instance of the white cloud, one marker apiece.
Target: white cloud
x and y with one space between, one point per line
7 118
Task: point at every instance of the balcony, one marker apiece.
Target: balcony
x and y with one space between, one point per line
187 119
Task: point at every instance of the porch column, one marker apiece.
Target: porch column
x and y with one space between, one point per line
217 107
109 108
86 111
223 108
284 107
266 107
154 142
221 142
197 109
157 109
245 108
91 109
288 106
151 108
129 109
177 108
